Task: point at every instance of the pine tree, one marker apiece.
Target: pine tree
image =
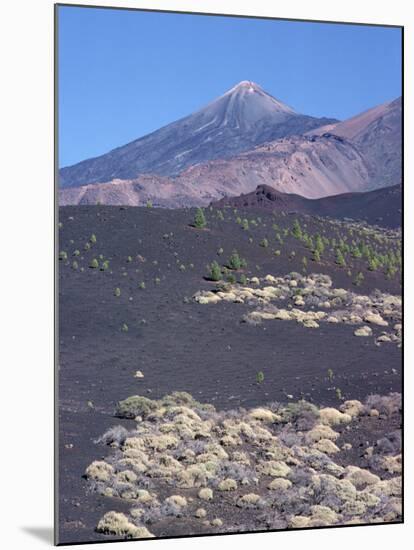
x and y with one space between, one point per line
319 246
94 264
199 219
358 279
215 271
340 260
235 261
391 271
296 230
372 264
260 377
356 253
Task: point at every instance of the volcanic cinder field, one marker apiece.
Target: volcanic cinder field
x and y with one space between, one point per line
242 373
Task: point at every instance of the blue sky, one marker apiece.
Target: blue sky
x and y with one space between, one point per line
123 74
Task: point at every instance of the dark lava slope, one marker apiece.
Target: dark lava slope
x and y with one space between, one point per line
382 206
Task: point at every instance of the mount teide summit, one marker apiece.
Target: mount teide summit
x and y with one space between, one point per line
240 119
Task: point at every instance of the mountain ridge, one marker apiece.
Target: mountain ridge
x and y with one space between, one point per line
377 132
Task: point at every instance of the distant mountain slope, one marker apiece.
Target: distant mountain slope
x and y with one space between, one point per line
160 190
242 118
378 135
311 166
382 206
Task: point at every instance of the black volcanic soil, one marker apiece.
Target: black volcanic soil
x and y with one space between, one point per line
181 345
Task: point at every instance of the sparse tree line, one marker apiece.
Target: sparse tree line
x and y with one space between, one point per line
345 250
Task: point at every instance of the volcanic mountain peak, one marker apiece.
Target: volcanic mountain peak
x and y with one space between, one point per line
249 84
238 120
250 88
247 103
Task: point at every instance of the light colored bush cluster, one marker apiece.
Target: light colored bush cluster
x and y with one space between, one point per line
205 494
227 484
332 417
115 523
279 461
99 471
250 500
332 305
